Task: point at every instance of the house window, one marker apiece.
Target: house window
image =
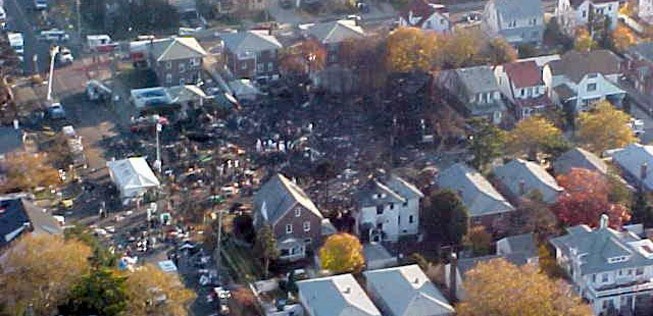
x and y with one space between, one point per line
442 21
604 278
182 67
609 7
379 210
591 87
411 219
308 241
405 204
307 226
169 78
522 92
182 81
288 228
243 66
270 67
298 212
169 65
284 253
392 206
260 68
639 271
594 278
194 62
584 13
428 24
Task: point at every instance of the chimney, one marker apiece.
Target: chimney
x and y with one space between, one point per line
347 290
604 221
643 170
416 281
522 187
453 266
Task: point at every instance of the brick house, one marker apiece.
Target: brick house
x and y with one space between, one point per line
294 218
176 60
332 34
252 54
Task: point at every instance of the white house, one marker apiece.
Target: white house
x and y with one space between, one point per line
387 208
580 79
518 21
522 83
611 269
406 291
338 295
427 15
572 14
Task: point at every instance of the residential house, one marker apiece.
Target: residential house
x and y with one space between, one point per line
640 67
332 34
251 54
633 160
572 14
522 83
19 216
486 206
176 60
645 10
612 270
518 250
406 291
521 178
294 218
580 79
387 208
518 21
245 7
184 7
426 15
338 295
476 92
581 159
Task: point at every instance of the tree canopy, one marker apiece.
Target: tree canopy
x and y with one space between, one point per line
498 51
150 284
26 171
305 57
532 135
342 253
445 214
500 288
411 49
584 41
40 270
586 198
486 143
266 246
478 240
605 127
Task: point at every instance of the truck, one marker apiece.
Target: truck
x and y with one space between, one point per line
17 43
75 146
100 43
40 4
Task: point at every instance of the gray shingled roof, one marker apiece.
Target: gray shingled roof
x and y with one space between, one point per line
467 264
478 79
579 158
278 196
476 192
175 48
338 295
391 190
509 10
522 244
631 158
575 65
250 42
407 290
336 31
10 140
532 176
598 245
644 50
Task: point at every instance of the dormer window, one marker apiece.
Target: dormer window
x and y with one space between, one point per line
617 259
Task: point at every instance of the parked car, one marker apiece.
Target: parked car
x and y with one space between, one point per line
65 56
56 111
40 4
286 4
147 123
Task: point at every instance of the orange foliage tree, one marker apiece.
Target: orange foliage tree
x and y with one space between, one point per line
307 56
586 198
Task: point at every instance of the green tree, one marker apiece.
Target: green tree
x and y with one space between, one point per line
486 143
444 213
266 246
498 51
101 292
342 253
642 211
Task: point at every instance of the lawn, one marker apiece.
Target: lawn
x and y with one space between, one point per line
133 78
241 261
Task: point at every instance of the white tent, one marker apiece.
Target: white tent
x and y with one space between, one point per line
133 176
244 89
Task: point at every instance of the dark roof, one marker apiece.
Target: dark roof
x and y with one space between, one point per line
524 244
575 65
576 3
278 196
564 92
10 140
509 10
18 216
540 101
524 73
384 190
423 9
643 50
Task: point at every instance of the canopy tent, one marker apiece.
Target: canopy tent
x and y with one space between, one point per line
244 89
133 176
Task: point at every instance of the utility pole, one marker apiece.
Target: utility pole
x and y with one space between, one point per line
53 53
79 19
157 163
